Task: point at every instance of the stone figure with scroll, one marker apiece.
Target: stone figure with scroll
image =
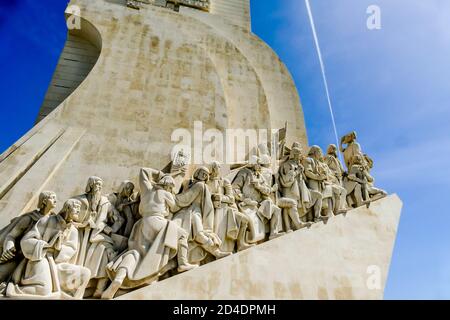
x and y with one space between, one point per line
253 194
197 218
11 235
155 240
50 249
229 224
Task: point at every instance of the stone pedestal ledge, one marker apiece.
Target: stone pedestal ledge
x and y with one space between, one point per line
347 258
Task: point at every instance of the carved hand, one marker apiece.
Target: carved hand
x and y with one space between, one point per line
9 252
179 171
54 241
210 243
111 254
250 202
9 245
92 223
292 174
107 230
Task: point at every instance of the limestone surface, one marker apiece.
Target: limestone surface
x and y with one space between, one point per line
158 70
347 258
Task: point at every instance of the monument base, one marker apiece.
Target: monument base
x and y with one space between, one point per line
347 258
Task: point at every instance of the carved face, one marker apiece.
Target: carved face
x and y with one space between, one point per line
319 154
217 204
296 153
215 169
97 186
50 202
216 201
128 190
74 211
332 149
316 153
168 188
202 175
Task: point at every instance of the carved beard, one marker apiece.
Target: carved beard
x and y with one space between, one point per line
94 199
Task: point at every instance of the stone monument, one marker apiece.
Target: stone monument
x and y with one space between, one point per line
279 221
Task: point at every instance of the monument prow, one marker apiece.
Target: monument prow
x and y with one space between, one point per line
346 258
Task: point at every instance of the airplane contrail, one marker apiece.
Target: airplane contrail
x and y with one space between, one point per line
322 66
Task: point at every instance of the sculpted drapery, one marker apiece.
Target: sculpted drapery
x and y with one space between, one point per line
96 243
155 240
49 268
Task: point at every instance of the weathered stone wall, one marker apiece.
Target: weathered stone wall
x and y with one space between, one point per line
235 11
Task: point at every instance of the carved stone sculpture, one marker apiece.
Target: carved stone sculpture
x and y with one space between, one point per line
50 249
295 182
229 224
196 217
296 199
351 150
356 183
97 246
316 173
126 202
339 193
333 162
254 193
135 238
294 195
360 169
155 240
11 235
290 213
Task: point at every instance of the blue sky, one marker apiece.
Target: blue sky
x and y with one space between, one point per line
391 85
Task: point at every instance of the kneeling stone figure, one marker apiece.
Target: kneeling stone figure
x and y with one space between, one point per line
50 249
154 241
